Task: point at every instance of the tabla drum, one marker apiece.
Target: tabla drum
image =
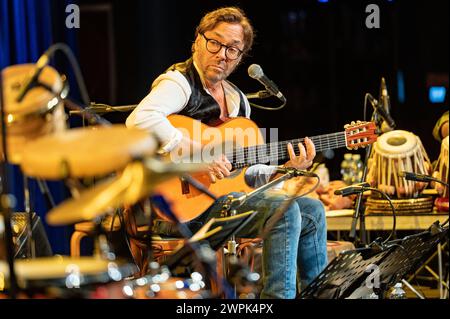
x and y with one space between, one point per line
41 112
405 206
392 153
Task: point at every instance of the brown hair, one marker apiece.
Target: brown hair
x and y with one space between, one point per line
228 15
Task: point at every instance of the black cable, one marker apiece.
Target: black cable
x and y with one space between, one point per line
75 68
268 108
394 216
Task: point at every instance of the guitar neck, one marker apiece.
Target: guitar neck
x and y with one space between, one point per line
277 151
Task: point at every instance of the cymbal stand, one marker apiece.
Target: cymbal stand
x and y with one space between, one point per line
6 200
31 251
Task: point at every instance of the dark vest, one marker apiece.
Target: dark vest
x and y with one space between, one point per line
201 105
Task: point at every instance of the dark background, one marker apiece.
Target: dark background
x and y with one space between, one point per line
321 55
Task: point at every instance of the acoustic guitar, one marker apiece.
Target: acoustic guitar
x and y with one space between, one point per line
242 141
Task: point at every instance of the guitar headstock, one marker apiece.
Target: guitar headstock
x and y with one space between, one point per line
360 134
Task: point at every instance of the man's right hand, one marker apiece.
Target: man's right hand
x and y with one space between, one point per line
218 169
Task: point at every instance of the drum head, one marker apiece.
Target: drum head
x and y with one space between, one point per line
85 152
37 98
38 114
396 142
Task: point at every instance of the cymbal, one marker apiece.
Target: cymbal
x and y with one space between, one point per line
137 181
85 152
45 269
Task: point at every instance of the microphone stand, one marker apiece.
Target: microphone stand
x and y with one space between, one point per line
264 94
100 108
359 207
6 200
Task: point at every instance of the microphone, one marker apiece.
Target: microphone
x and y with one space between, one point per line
352 189
33 79
256 72
386 104
380 110
295 172
416 177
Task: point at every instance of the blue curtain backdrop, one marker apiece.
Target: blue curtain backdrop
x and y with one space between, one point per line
27 29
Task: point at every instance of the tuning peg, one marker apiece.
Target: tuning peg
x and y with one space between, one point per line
346 125
353 123
358 122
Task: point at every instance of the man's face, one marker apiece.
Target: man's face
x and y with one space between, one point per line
216 66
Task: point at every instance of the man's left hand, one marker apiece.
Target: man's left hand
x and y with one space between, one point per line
305 158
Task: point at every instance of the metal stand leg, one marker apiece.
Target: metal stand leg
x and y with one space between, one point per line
231 255
441 290
407 284
29 224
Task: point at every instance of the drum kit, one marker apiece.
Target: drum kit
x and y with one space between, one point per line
120 160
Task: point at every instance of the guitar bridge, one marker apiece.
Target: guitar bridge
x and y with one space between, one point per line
184 186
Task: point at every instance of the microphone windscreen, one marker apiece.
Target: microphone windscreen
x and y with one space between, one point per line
255 71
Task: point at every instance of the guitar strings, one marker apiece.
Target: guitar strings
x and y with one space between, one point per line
255 152
240 157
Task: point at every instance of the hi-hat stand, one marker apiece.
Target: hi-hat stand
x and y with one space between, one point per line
6 201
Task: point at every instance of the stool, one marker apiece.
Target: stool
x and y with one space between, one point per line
248 249
87 229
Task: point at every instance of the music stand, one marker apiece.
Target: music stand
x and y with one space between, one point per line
343 274
409 254
348 274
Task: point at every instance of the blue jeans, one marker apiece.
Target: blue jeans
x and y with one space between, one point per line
297 244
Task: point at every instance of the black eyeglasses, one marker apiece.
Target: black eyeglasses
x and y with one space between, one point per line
214 46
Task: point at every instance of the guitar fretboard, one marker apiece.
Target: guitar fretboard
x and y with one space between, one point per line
277 151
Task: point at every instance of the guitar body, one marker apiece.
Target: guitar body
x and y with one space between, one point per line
186 201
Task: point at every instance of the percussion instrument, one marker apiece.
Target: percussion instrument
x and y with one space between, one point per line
442 164
85 152
41 112
441 173
406 206
56 276
163 286
394 152
136 181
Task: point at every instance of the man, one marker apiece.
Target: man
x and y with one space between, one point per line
199 88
